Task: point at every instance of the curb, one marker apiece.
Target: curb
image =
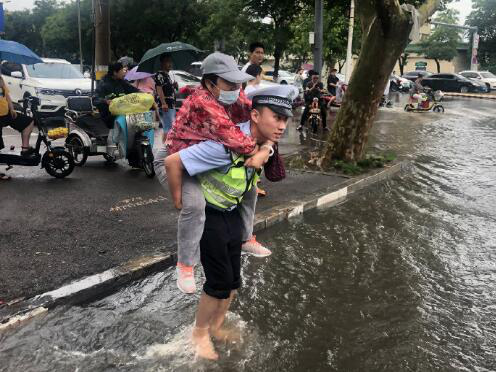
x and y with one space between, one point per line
471 95
97 285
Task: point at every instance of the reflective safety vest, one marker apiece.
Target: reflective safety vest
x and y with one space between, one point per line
225 190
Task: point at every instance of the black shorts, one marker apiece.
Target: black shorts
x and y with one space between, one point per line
20 123
220 252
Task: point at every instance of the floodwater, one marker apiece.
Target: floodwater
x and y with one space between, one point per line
401 277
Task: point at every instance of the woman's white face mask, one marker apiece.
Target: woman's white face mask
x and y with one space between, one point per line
227 97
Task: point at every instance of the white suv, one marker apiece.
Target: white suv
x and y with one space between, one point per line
483 76
51 81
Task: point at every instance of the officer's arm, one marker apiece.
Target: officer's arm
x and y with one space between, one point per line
174 169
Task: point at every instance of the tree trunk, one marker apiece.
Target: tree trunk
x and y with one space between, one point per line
382 45
402 62
438 65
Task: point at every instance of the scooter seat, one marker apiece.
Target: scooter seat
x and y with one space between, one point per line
94 126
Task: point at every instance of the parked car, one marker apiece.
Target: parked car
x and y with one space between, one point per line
186 82
51 81
413 75
400 84
195 69
486 77
453 83
284 77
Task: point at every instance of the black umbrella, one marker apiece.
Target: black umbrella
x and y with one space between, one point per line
182 55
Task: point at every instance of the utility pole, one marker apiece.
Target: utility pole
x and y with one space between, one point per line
80 38
101 10
319 36
350 42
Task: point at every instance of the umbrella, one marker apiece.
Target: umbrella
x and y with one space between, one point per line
133 74
14 52
182 55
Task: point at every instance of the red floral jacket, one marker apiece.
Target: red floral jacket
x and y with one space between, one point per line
202 117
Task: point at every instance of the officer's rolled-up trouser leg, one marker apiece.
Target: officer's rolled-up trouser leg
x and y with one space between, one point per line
247 212
191 221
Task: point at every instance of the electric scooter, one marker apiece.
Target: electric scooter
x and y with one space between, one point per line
131 137
56 161
430 101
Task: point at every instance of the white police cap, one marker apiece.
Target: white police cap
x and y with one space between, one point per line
278 98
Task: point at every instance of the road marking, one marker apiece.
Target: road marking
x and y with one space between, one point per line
135 202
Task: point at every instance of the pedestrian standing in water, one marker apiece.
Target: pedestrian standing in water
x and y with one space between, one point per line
225 178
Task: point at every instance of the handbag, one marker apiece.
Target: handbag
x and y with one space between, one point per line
274 168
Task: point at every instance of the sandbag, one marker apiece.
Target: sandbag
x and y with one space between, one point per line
133 103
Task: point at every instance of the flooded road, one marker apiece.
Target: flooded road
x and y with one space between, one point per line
401 277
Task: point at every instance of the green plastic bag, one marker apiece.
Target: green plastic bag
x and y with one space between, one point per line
134 103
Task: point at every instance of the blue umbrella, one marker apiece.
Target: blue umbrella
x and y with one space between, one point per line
14 52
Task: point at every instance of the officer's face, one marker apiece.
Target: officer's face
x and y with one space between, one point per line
270 125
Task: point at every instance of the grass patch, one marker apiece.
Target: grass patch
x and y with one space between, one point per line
370 161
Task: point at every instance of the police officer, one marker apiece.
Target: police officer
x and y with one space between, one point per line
225 178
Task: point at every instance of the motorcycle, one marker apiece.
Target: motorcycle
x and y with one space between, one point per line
315 117
132 136
429 101
56 161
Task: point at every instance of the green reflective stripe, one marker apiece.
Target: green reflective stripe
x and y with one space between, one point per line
213 198
226 190
224 187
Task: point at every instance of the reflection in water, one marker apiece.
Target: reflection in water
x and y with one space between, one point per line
400 277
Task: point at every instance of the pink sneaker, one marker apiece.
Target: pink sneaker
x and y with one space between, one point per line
254 248
185 278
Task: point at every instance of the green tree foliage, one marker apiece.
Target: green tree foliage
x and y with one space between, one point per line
336 19
231 29
282 13
60 32
443 41
484 17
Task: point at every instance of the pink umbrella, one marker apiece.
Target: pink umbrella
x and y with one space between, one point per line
133 74
307 66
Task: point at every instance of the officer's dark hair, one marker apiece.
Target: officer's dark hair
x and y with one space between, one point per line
209 77
312 72
254 70
259 107
255 45
115 67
